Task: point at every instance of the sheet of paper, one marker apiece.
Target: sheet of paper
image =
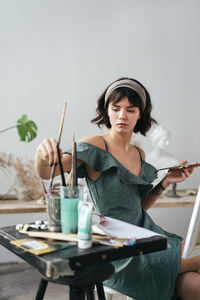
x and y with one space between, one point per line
119 229
34 245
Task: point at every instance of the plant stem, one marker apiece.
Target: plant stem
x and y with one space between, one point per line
8 128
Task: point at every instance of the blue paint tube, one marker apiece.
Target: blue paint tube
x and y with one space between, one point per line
85 222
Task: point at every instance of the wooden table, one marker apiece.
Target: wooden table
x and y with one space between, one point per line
185 198
68 258
14 206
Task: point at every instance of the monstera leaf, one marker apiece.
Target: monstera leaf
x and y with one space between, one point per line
27 129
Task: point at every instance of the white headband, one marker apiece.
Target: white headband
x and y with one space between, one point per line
129 84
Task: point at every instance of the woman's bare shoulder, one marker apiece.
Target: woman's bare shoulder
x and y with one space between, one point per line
95 140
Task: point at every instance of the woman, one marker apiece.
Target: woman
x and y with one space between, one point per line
119 181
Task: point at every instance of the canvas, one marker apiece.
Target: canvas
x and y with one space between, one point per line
192 242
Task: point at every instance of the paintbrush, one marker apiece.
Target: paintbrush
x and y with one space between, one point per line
61 124
72 181
61 167
58 143
74 162
115 242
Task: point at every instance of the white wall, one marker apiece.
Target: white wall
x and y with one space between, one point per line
66 50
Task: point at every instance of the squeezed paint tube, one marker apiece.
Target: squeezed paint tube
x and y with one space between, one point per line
85 222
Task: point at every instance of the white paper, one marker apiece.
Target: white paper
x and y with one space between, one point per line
34 245
119 229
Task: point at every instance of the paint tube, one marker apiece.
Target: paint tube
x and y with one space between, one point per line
85 222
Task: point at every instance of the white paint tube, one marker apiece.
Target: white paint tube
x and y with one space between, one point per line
85 222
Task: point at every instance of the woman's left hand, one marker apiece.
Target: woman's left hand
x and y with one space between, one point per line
177 174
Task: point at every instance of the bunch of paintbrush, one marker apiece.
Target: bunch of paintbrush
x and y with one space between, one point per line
59 157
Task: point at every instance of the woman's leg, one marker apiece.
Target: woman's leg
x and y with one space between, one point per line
188 286
191 264
188 280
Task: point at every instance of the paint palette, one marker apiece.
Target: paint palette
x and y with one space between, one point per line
183 166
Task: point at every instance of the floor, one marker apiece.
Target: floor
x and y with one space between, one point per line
20 281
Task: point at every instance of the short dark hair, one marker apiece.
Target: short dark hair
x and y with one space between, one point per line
143 124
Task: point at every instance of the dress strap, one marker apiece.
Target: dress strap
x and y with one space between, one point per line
106 145
138 149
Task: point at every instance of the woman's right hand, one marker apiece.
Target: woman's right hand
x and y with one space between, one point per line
46 153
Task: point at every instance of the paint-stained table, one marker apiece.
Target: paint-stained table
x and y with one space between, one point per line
67 260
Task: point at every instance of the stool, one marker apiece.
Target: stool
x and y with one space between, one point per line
111 292
81 283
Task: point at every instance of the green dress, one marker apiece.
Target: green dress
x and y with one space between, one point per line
118 193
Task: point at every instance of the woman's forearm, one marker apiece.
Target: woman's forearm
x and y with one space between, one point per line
154 194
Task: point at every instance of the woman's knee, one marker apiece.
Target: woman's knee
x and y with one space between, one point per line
188 285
